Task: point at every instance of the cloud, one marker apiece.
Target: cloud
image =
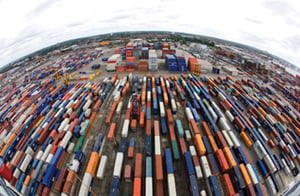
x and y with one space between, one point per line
268 25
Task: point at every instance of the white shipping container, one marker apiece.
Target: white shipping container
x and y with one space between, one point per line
17 173
86 182
192 150
173 105
205 166
102 167
198 172
66 139
270 185
29 151
46 152
234 139
157 148
49 158
125 128
259 150
70 147
262 134
25 163
148 96
189 114
162 109
118 165
74 165
24 187
171 185
223 125
252 174
87 105
39 155
188 136
149 186
119 107
213 114
227 138
63 124
196 96
69 111
268 161
270 119
203 193
286 168
87 113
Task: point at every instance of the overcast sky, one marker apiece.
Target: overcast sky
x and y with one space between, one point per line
27 26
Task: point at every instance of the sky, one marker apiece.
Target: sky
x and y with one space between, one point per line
27 26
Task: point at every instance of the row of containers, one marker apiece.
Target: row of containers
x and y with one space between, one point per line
221 152
142 53
42 124
71 62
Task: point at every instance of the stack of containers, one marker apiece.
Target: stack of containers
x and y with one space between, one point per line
144 54
136 52
165 51
112 62
130 63
170 172
171 62
158 160
92 166
193 65
128 52
216 70
153 65
181 63
143 65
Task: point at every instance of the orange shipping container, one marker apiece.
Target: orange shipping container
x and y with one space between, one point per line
199 144
212 142
142 119
231 161
246 139
93 164
133 124
245 174
137 187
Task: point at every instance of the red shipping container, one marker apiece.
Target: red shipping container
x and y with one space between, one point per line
138 165
111 132
130 152
133 124
142 119
127 173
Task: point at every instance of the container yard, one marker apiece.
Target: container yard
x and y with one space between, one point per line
148 122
